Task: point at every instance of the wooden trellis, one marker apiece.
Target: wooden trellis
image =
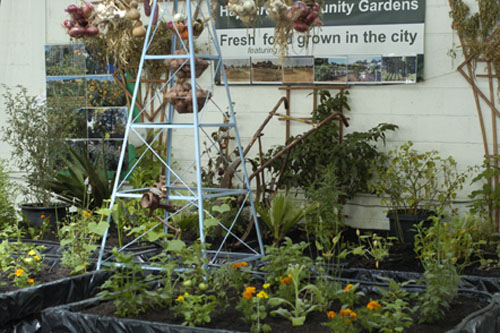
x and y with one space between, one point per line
466 69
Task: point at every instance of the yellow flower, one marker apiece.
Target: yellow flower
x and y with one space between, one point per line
31 281
240 264
358 233
19 272
266 285
262 294
180 298
249 291
286 279
373 305
348 287
37 258
87 213
32 253
331 314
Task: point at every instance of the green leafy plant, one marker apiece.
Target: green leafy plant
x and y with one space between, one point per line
304 298
78 238
375 246
127 286
254 309
350 156
281 214
277 259
7 194
195 309
413 180
327 220
487 197
83 182
435 248
37 135
417 183
396 314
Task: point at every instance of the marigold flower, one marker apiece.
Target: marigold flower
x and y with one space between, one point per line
348 313
331 314
179 298
87 213
240 264
262 294
372 305
37 258
286 279
266 285
348 287
19 272
32 253
249 291
31 281
43 216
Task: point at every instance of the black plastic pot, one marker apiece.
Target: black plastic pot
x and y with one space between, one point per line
37 214
19 304
407 223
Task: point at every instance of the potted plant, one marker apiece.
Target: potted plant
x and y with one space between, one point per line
414 186
37 135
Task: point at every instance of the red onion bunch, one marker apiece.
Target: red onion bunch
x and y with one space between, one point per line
304 17
78 26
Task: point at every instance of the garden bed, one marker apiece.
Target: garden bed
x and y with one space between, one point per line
471 311
19 304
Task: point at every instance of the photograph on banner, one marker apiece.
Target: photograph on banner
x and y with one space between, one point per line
266 70
238 70
399 69
330 70
365 69
351 28
298 70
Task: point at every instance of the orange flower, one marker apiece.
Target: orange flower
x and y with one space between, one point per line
331 314
87 213
19 272
348 287
286 279
31 281
240 264
348 313
249 291
43 216
373 305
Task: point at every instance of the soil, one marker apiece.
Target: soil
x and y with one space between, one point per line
47 274
231 319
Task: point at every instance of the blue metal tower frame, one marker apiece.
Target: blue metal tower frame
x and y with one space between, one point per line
176 187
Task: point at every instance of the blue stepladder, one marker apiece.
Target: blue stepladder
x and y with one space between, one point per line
182 185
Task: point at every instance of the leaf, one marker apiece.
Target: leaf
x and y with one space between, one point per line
175 245
222 208
298 321
209 223
98 228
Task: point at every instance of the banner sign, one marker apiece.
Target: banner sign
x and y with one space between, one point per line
378 41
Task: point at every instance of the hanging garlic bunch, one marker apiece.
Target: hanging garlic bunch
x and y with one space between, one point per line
277 9
283 28
246 10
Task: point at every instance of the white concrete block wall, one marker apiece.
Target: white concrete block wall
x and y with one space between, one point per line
436 114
